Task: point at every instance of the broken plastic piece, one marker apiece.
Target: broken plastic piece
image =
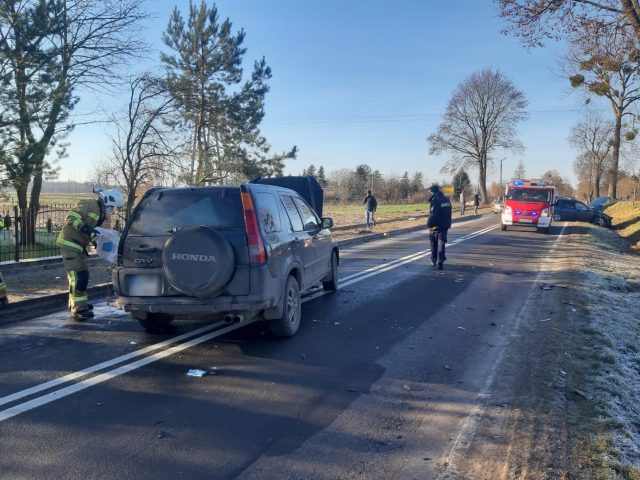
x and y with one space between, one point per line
196 372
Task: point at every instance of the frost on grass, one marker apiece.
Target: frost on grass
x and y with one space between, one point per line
611 292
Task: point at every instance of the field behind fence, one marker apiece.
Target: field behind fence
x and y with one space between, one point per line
54 208
48 223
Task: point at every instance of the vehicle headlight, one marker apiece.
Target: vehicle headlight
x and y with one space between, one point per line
507 210
545 212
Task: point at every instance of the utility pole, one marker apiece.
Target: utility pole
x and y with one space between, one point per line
501 160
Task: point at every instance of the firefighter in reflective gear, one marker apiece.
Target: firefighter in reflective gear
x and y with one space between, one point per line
77 233
3 288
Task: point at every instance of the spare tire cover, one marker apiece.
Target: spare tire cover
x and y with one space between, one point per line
198 261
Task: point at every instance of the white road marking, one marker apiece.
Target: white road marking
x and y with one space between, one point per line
102 366
468 430
103 377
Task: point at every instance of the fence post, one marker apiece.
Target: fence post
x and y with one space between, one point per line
16 255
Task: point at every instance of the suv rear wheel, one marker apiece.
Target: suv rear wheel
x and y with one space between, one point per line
288 324
153 322
332 284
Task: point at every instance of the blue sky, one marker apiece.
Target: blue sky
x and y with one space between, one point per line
367 81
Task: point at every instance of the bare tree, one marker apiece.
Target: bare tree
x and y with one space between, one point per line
593 138
535 21
47 50
481 117
343 182
141 145
520 171
607 65
562 184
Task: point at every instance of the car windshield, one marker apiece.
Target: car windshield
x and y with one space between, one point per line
529 195
165 210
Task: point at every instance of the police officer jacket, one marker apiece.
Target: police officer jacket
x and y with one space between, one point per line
440 212
81 220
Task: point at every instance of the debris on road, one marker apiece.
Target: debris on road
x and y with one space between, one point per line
447 367
196 372
406 387
462 328
133 343
582 394
546 287
544 320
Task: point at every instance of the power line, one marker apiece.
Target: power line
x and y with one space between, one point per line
381 118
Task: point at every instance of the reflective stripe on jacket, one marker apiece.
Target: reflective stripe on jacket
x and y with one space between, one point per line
86 212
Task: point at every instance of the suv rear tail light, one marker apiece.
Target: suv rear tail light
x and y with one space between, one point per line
257 252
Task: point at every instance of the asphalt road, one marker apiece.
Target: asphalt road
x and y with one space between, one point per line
380 382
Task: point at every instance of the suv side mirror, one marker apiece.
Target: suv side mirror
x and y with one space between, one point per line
327 223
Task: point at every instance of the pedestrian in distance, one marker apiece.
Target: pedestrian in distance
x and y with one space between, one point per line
370 209
78 232
463 200
438 223
476 203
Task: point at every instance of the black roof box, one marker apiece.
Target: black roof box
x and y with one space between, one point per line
307 187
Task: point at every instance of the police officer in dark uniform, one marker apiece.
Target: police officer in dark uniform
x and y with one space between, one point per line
439 223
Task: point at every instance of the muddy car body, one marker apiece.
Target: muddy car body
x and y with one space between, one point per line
236 252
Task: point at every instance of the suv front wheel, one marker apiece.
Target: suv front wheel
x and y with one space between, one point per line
331 285
288 324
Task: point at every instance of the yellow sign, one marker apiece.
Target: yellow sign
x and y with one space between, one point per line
447 189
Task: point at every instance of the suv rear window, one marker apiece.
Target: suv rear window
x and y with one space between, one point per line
167 209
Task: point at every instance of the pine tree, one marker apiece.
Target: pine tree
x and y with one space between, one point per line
311 171
322 179
204 76
461 182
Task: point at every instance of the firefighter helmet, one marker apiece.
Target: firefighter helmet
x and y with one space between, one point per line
111 199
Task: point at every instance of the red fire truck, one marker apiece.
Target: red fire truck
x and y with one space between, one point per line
528 203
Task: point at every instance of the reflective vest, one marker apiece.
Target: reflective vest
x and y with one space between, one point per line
86 212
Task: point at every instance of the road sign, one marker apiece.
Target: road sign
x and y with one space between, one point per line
447 189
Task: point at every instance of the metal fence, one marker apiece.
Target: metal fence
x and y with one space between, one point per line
35 237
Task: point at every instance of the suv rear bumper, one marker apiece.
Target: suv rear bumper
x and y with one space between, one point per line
263 292
189 306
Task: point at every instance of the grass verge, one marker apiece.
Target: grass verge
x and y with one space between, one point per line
626 219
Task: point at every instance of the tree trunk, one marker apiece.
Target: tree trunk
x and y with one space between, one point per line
23 206
596 185
615 156
482 164
34 208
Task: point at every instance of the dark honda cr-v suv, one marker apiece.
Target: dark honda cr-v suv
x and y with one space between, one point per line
234 252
